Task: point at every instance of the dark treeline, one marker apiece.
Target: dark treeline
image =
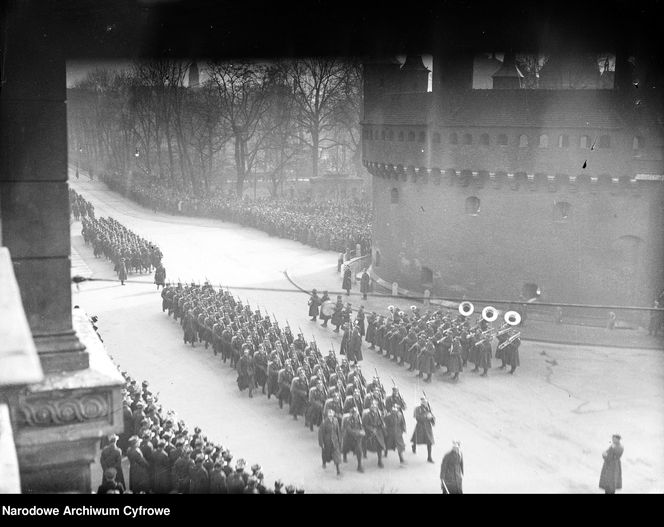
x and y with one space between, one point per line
157 122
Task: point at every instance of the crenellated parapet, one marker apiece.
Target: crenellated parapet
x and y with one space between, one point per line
515 181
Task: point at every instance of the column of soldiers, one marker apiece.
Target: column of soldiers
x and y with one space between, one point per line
79 207
352 415
165 456
426 342
128 251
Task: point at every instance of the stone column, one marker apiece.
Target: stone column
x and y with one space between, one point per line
57 423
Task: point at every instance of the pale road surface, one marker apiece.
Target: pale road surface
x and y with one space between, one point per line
542 430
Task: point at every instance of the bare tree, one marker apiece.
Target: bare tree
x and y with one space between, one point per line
242 94
318 85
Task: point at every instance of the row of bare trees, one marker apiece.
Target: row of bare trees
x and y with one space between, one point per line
251 117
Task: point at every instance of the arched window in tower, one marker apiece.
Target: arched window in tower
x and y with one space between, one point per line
454 138
638 143
467 139
584 141
544 141
436 138
484 140
523 141
563 141
394 195
473 205
502 139
411 136
401 135
561 211
605 141
422 137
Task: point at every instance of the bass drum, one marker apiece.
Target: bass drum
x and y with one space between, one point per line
327 308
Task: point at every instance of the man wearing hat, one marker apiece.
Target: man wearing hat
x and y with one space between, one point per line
365 282
162 469
236 482
610 479
199 481
314 303
423 434
218 479
374 426
299 391
451 470
122 271
139 468
111 457
109 485
181 469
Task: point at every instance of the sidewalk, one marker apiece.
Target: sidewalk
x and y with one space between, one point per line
537 330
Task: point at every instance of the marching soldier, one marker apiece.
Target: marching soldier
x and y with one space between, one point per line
395 428
299 391
353 435
160 276
246 372
423 434
374 426
314 411
329 439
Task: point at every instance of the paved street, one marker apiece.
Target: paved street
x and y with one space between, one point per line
542 430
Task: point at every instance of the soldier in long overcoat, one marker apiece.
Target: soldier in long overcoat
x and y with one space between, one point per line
162 469
353 435
346 284
374 426
122 271
423 433
329 439
355 346
299 392
395 428
365 283
314 303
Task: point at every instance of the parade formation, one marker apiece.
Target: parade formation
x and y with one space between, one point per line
353 415
128 251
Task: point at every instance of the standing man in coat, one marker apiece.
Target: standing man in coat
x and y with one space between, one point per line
423 434
374 426
314 303
329 439
451 470
122 271
610 479
346 283
139 468
355 346
365 283
111 457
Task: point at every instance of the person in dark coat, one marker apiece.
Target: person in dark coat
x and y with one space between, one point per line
355 346
246 372
235 482
329 440
337 314
374 426
352 433
199 481
314 303
285 380
139 468
451 470
181 469
111 457
128 420
122 271
359 320
346 283
365 283
395 428
455 364
160 276
218 480
299 392
110 485
610 479
162 469
423 434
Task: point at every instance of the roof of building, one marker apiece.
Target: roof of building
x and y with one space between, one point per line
400 109
535 108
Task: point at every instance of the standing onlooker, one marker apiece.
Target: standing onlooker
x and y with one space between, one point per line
611 477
